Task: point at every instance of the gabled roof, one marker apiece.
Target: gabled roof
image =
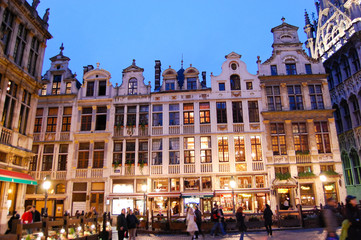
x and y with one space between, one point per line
284 26
133 68
233 55
60 56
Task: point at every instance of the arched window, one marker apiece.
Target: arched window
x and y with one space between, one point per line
133 86
60 189
235 82
347 168
355 59
331 83
355 109
346 66
338 119
337 70
356 166
346 114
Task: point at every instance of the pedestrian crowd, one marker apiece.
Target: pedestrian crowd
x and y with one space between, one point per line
127 223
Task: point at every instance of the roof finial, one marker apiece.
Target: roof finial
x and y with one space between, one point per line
98 65
61 48
283 19
133 62
307 18
182 62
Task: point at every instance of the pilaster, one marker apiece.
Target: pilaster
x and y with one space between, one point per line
312 144
306 96
284 97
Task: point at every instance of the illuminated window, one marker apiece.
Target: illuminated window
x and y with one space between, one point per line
223 155
256 148
300 137
188 113
189 150
206 150
322 137
278 137
239 148
174 151
204 113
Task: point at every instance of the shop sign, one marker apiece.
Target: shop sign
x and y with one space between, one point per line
329 187
282 190
194 200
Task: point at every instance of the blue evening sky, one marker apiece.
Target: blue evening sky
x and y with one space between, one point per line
113 32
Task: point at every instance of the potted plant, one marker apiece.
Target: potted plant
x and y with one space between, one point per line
306 175
116 164
302 153
331 173
130 128
283 176
141 164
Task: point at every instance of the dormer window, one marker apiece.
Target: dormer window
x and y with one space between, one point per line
235 82
274 70
68 88
133 86
90 89
56 85
191 83
234 66
102 88
291 69
169 85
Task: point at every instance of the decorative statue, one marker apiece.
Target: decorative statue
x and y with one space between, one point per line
35 4
46 15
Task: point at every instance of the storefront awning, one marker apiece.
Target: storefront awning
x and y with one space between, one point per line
198 195
16 177
165 194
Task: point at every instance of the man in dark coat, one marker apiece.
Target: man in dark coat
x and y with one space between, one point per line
198 215
267 216
330 218
36 215
132 222
354 216
121 225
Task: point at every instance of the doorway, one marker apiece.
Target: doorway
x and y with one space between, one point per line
97 201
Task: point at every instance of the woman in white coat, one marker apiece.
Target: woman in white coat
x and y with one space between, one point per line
191 224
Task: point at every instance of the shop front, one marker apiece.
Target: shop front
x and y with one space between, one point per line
165 203
284 191
202 200
134 202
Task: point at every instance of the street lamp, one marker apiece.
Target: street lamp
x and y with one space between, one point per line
46 186
323 178
144 189
233 185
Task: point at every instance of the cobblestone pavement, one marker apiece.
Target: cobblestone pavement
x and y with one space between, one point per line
300 234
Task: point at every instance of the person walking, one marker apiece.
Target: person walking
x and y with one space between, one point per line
240 222
354 217
132 223
216 218
191 224
198 215
121 225
330 218
267 216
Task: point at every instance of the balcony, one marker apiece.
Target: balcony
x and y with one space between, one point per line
189 168
255 126
188 129
174 130
37 137
224 167
205 128
238 128
173 169
257 166
81 173
6 135
143 130
206 167
129 170
60 175
222 127
303 158
44 174
280 159
64 136
156 169
97 173
157 130
119 131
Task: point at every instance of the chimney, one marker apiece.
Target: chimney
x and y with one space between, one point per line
204 76
87 68
158 70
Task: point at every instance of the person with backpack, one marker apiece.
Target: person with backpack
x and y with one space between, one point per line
216 218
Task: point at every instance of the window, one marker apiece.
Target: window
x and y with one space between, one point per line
63 157
117 153
10 104
102 88
237 112
260 182
295 97
316 96
174 151
143 115
130 152
20 44
157 115
143 152
256 148
235 82
233 66
38 120
337 70
56 85
24 112
304 169
206 183
253 111
191 184
7 29
347 168
174 184
249 85
356 110
224 182
33 56
308 68
300 137
98 157
355 59
274 98
356 166
47 157
160 185
206 150
291 69
90 88
274 70
68 88
133 86
188 113
240 153
330 191
244 182
43 90
221 86
278 137
119 116
307 195
204 113
34 160
346 66
65 127
322 137
86 119
221 112
60 189
223 155
346 115
83 155
132 116
338 119
52 120
173 114
169 85
188 150
330 81
157 151
281 170
191 83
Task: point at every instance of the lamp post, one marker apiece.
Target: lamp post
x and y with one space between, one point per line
233 185
46 186
144 189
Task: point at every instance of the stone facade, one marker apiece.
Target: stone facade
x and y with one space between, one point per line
335 38
22 46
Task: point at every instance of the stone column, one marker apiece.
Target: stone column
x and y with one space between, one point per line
13 38
264 97
25 60
32 112
290 145
312 144
333 136
15 122
284 97
109 125
94 116
267 131
326 95
78 123
306 96
39 63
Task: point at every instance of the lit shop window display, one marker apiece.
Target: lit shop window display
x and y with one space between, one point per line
123 188
119 204
307 195
160 185
160 204
330 190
